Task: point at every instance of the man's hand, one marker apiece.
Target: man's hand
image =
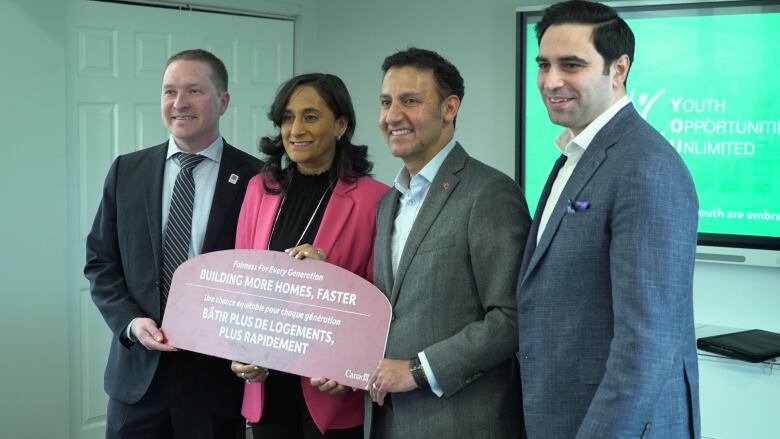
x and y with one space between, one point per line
329 386
252 373
391 376
149 335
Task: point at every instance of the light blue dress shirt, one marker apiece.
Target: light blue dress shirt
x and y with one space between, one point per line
413 191
205 177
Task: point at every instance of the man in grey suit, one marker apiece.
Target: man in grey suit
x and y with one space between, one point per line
605 312
154 390
445 254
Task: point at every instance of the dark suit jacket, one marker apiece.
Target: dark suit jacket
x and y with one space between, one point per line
453 298
124 253
605 310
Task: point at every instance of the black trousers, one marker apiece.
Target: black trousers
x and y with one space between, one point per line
382 425
173 407
285 415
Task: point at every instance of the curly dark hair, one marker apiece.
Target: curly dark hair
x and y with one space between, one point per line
351 161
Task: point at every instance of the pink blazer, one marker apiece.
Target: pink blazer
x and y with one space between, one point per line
346 236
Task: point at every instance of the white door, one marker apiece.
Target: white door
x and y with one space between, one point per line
116 57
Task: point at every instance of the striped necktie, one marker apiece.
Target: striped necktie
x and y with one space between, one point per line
176 244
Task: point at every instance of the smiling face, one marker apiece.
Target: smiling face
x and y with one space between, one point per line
416 122
571 76
191 105
309 131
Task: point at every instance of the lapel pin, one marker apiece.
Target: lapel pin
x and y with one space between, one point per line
233 179
445 186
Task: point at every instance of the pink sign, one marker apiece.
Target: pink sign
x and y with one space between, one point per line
305 317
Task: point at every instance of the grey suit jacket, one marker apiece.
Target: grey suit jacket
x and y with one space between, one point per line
124 251
452 297
607 345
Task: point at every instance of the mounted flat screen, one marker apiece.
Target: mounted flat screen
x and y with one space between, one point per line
706 76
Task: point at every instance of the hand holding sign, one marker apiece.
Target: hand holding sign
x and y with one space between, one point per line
261 307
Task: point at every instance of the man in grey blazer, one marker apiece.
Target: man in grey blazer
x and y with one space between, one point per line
605 312
154 390
446 252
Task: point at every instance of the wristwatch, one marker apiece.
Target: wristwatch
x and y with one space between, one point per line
418 373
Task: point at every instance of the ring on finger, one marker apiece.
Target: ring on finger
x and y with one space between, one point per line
374 386
242 375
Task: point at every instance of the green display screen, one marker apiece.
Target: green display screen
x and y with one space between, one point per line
706 78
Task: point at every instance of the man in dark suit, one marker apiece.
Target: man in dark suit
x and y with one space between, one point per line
605 309
445 253
154 390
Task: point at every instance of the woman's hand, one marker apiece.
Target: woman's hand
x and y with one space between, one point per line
249 372
329 386
306 251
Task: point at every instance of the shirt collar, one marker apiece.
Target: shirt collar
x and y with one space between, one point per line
213 152
428 172
568 143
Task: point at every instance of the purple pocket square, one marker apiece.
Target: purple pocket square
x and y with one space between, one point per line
577 206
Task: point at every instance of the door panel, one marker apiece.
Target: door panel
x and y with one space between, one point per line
118 55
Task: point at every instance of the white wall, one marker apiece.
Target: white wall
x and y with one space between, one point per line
33 270
354 36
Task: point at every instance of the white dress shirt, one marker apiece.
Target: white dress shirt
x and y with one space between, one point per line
573 148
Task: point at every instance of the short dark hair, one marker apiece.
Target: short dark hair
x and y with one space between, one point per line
447 77
351 161
219 73
611 36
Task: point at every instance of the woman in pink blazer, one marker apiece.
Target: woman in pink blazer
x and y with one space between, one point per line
313 198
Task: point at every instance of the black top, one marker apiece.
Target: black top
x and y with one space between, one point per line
299 204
